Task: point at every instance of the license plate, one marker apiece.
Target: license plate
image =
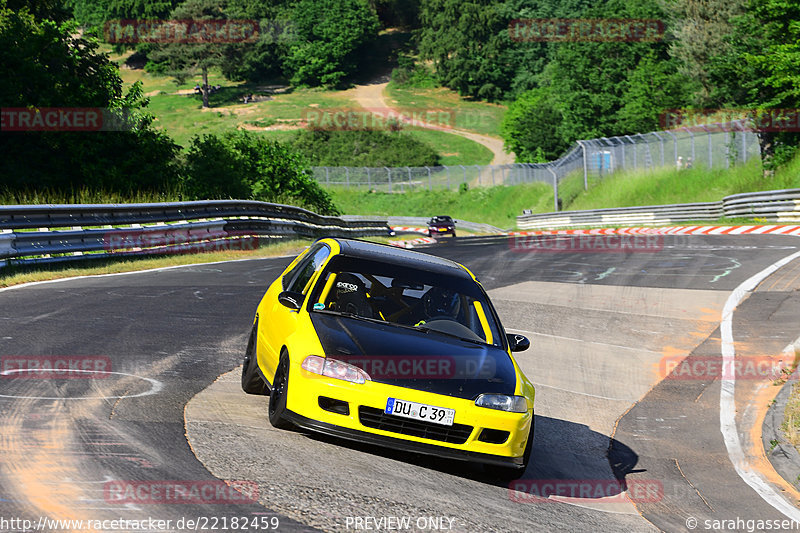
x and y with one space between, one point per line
420 411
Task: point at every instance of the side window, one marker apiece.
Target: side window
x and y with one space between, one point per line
289 276
306 269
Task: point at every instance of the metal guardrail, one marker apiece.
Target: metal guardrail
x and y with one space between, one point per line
773 206
47 233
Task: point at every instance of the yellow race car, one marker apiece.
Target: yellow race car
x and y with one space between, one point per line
391 347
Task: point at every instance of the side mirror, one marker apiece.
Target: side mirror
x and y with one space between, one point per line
292 300
518 343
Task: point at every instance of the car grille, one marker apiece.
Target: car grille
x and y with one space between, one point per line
377 419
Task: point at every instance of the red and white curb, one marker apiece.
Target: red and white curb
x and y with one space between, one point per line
667 230
673 230
410 229
412 243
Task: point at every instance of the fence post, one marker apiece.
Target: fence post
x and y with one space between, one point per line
463 168
635 155
448 177
661 141
710 148
347 176
727 139
675 147
369 180
327 177
555 188
744 141
585 166
389 172
492 175
429 178
691 134
409 177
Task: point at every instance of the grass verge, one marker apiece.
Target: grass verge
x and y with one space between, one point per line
15 275
453 149
498 206
670 186
791 417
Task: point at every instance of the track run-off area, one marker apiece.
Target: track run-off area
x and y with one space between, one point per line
637 428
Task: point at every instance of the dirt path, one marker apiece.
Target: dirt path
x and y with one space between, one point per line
371 96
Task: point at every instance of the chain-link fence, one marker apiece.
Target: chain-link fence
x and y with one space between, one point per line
712 146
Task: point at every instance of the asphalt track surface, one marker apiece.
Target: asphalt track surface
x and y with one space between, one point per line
599 322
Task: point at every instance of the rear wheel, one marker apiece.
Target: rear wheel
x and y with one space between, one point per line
251 380
277 399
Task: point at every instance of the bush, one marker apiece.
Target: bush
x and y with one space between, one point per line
363 148
243 165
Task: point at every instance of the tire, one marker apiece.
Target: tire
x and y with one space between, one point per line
277 399
252 383
510 473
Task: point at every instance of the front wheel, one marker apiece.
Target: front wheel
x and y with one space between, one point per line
277 399
251 380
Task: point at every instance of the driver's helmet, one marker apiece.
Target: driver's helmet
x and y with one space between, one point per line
442 302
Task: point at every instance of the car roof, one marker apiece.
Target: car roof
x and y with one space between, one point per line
400 256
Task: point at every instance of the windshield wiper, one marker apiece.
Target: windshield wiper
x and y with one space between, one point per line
350 315
459 337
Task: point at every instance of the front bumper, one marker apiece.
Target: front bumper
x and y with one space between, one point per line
303 404
399 444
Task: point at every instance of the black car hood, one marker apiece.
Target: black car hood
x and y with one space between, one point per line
421 360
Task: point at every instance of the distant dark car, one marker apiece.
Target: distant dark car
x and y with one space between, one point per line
441 225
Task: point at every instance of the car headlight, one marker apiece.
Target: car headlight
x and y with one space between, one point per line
334 369
501 402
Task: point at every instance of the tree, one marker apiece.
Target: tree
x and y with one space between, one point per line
594 82
183 60
329 35
758 70
467 40
531 127
48 65
650 92
701 28
244 165
530 56
264 58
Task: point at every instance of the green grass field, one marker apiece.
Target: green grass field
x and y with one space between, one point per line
179 111
670 186
498 206
480 117
452 149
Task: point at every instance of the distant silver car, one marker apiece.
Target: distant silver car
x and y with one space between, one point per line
441 225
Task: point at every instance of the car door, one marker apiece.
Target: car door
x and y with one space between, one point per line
281 321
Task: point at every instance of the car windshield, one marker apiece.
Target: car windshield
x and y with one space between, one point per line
407 297
442 220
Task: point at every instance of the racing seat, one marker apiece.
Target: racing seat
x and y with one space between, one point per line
351 295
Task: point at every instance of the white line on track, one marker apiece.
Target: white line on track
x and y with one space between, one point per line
727 406
159 269
513 330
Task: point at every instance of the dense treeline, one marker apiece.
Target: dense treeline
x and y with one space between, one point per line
722 54
47 64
